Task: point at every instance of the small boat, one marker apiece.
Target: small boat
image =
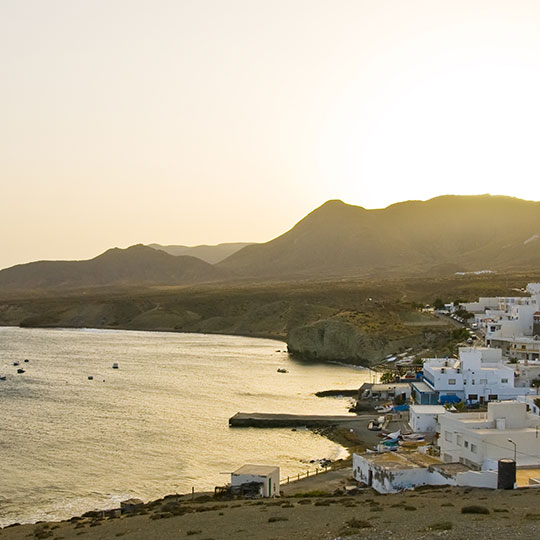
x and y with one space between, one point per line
16 363
2 377
90 377
115 365
374 425
282 370
26 360
20 370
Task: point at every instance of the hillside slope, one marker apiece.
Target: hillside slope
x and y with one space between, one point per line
439 236
135 266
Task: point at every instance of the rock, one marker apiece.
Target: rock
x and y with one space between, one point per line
336 340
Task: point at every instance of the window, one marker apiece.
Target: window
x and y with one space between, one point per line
448 436
459 440
451 381
483 381
473 397
493 397
473 448
466 444
504 381
472 382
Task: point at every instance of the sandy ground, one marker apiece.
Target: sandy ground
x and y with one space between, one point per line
427 513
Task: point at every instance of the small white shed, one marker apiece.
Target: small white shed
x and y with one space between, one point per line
423 418
265 475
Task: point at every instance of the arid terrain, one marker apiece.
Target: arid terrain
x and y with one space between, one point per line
426 513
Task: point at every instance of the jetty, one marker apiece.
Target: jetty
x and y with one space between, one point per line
266 420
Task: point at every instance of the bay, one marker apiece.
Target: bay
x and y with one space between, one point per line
157 425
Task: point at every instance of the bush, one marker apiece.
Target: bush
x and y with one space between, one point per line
358 523
474 509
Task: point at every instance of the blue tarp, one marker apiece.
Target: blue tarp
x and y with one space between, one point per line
400 408
449 399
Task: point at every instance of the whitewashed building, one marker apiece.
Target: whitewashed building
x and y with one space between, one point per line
479 440
266 476
477 376
391 472
423 418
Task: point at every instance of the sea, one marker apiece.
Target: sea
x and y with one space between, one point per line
156 425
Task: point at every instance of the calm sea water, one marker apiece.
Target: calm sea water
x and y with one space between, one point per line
157 425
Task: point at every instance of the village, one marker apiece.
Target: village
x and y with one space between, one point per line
472 420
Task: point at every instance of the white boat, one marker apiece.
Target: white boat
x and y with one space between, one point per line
2 377
374 425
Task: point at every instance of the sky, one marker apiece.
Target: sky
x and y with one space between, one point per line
207 121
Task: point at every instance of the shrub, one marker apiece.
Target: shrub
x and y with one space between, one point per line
358 523
474 509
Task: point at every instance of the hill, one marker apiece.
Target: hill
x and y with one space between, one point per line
135 266
436 237
210 254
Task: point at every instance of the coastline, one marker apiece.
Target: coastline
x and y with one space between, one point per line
289 463
272 337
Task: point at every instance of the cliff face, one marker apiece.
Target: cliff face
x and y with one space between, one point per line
336 340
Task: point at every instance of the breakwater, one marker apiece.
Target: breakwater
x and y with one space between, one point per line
266 420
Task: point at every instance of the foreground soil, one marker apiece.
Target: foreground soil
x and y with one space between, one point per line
426 513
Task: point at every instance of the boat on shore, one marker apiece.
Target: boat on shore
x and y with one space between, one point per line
20 370
115 365
282 370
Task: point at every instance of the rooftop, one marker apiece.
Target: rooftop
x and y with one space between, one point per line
256 470
401 460
389 387
428 409
422 387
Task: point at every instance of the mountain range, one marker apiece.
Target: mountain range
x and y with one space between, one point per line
209 254
440 236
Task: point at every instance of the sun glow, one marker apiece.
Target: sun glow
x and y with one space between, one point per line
458 120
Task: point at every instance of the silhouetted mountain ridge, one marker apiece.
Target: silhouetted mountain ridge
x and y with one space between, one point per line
136 265
442 235
436 237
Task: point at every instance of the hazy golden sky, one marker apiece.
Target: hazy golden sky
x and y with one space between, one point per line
206 121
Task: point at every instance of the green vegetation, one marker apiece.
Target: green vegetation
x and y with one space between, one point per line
387 377
438 304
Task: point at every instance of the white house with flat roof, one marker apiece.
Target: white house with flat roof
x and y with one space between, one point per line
266 476
480 439
477 376
391 472
423 418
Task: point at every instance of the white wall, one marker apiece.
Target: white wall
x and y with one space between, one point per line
270 482
423 422
483 479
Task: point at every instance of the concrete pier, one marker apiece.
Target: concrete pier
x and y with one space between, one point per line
265 420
